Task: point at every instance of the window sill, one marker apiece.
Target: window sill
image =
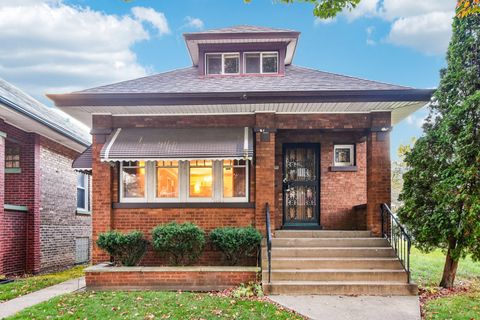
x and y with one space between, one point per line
12 207
13 170
153 205
83 212
344 169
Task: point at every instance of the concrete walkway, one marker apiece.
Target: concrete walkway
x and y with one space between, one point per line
352 308
13 306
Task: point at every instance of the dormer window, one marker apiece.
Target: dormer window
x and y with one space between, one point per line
222 63
261 62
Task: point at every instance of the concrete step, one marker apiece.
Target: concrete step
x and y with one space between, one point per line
333 263
394 275
320 252
321 234
328 242
381 288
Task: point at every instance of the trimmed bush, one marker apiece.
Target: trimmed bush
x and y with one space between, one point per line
236 243
126 249
183 243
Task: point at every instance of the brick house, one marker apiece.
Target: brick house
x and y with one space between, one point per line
45 220
242 127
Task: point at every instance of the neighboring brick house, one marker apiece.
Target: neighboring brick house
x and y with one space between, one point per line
45 220
215 142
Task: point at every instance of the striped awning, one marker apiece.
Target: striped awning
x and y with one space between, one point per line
143 144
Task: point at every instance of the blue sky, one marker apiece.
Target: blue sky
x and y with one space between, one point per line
75 44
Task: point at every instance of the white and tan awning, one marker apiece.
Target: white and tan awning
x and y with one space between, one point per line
144 144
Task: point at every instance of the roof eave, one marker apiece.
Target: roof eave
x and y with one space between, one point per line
158 99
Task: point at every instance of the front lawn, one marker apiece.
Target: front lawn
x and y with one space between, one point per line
28 284
153 305
456 307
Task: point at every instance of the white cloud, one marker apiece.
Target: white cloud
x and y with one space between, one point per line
416 121
428 33
155 18
423 25
318 22
370 41
195 23
48 46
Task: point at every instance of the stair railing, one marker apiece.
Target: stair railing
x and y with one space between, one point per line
396 235
269 240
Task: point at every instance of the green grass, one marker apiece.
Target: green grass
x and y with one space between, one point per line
30 284
152 305
427 269
458 307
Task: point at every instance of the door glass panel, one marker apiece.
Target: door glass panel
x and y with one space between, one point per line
301 185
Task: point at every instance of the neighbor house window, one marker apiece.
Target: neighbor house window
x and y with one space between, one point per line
12 157
261 62
184 181
222 63
344 155
133 181
82 192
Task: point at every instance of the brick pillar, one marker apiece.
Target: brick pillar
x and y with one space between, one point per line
102 219
265 170
2 198
378 169
33 215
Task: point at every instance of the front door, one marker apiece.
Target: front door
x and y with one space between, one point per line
301 185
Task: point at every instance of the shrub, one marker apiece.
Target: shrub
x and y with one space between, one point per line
236 243
182 243
128 249
249 290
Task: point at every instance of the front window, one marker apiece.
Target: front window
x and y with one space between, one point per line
222 63
201 179
344 155
234 178
82 192
167 179
184 181
133 180
261 62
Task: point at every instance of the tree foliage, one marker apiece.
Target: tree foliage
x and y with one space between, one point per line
467 7
442 187
325 9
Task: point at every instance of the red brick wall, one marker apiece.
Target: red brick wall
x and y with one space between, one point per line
3 238
339 191
15 242
168 280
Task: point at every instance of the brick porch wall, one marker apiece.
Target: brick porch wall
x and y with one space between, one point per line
2 201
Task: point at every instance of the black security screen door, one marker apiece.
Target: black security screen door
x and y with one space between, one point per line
301 185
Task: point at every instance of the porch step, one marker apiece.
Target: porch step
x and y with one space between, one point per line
329 242
394 275
321 234
334 263
381 288
353 252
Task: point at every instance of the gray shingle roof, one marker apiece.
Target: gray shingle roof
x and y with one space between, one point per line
243 29
296 78
57 120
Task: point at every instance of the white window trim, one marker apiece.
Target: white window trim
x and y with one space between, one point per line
261 61
352 155
184 185
146 187
222 54
87 193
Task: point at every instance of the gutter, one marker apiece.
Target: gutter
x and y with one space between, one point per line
46 123
201 98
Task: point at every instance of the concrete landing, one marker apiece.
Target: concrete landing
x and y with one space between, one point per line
11 307
352 308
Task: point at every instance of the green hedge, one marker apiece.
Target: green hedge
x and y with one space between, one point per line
182 243
236 243
127 249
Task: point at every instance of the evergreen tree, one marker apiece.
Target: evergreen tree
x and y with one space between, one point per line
441 192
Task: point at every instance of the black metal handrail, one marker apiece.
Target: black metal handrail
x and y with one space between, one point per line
269 240
397 236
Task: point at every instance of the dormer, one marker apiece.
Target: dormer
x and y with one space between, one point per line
242 51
